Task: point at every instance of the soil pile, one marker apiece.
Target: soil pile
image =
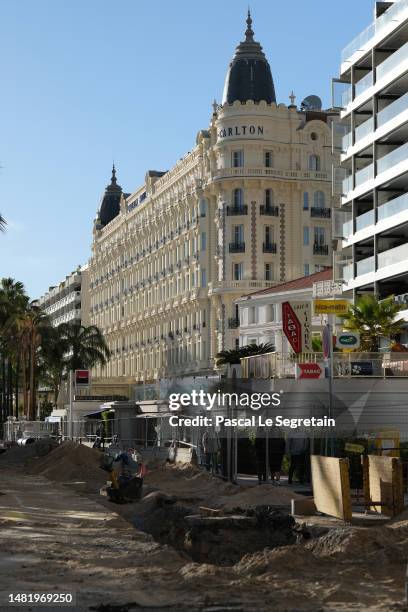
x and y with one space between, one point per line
249 497
20 455
71 462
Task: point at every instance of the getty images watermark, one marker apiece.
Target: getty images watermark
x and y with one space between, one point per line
203 400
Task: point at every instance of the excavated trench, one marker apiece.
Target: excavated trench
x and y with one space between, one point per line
218 539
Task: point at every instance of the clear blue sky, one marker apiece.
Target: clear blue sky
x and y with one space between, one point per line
84 82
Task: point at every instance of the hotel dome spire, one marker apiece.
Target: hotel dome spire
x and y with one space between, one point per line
249 75
110 206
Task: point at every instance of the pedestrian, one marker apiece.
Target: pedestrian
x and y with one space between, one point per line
276 451
205 443
298 449
213 445
260 451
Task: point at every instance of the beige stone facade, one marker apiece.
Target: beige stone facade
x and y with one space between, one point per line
230 217
248 207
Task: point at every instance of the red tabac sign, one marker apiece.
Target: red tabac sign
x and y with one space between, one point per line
309 370
292 327
82 377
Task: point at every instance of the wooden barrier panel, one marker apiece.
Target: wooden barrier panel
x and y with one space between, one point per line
385 485
331 486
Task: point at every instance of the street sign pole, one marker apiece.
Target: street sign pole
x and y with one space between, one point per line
331 372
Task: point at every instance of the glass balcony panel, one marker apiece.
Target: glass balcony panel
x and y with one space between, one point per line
392 61
347 229
393 207
347 184
363 84
392 110
393 158
346 142
348 272
364 175
365 220
393 256
358 42
391 15
365 129
364 266
346 97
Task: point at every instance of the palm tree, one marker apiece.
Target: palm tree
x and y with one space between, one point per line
32 327
13 302
84 346
374 319
234 356
3 224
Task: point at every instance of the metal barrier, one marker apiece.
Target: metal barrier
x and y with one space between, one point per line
345 365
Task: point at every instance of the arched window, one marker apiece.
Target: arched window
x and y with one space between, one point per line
268 197
319 199
238 198
314 162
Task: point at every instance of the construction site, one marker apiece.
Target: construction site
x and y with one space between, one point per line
190 540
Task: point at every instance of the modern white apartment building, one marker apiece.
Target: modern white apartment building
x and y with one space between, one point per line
69 300
248 207
372 93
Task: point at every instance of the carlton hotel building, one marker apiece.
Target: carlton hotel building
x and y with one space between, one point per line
248 207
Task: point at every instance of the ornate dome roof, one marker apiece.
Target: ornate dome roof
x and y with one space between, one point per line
249 75
110 205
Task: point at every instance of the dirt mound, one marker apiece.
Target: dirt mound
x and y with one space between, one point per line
71 462
268 495
20 455
355 543
187 481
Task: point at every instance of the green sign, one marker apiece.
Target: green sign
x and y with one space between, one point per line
348 340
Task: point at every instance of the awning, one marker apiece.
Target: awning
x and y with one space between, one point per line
98 412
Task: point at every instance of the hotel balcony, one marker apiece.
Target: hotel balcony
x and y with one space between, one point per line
320 213
235 211
241 286
233 323
237 247
321 249
271 211
269 247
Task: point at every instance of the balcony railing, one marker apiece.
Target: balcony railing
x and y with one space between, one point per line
237 247
364 175
392 256
393 158
364 129
320 249
233 323
392 110
391 16
271 211
365 220
393 207
392 61
363 84
365 266
320 212
237 210
269 247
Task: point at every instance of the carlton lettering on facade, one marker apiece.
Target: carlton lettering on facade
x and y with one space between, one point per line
241 130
